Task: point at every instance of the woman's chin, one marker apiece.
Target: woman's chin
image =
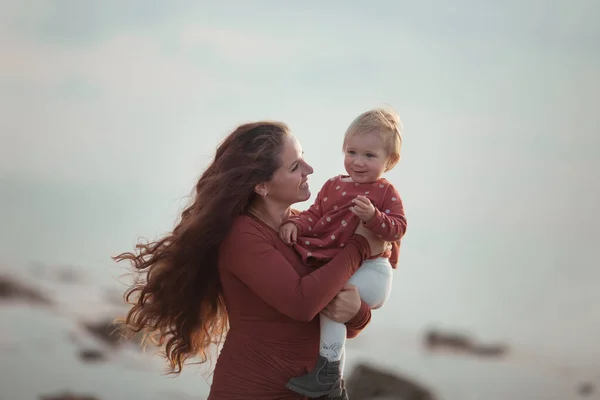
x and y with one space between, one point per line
303 195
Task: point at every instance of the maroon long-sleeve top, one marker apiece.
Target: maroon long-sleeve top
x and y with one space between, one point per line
272 299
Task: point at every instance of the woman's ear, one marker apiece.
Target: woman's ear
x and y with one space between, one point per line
261 189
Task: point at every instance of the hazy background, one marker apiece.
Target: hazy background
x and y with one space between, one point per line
110 111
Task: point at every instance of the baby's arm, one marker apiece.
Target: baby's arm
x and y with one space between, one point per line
288 232
389 221
307 219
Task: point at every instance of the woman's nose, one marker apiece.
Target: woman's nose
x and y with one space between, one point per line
307 169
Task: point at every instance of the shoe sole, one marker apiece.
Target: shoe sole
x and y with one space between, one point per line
304 392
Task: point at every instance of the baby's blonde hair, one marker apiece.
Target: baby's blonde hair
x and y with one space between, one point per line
386 122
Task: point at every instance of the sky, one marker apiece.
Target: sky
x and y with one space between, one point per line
110 111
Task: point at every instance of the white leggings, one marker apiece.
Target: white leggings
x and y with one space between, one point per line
374 282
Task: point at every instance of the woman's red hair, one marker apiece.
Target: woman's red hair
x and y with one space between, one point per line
177 299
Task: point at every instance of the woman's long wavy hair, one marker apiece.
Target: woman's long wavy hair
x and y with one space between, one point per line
177 299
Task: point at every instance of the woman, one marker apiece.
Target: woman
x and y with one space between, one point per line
224 266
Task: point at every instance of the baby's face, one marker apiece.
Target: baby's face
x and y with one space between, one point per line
365 157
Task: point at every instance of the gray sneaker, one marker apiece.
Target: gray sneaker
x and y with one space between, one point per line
324 380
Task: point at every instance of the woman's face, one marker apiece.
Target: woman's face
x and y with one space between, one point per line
289 184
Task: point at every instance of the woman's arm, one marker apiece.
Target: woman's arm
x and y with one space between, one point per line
348 308
255 261
359 322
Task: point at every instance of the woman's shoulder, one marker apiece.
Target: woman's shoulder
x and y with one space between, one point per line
245 235
245 226
244 223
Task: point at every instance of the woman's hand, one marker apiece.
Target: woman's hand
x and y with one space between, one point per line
377 245
344 306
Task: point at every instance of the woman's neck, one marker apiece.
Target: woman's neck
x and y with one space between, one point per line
270 213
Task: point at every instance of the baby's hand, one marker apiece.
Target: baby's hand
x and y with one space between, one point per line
288 232
363 208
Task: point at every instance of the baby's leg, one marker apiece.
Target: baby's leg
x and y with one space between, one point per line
326 378
374 281
333 339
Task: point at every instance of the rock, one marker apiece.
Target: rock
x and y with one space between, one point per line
495 350
10 289
105 331
435 340
68 396
370 383
108 332
586 389
91 355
